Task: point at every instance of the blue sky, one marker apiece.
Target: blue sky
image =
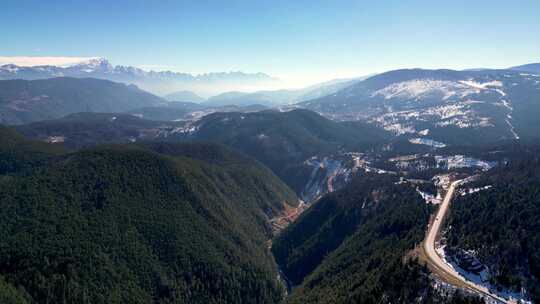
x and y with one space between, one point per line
305 40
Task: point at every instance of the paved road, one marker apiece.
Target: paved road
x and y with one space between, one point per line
436 261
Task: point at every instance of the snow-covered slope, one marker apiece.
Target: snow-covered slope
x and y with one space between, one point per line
450 106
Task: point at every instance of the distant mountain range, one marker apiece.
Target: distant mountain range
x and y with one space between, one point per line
268 98
23 101
157 82
27 101
431 107
186 96
176 86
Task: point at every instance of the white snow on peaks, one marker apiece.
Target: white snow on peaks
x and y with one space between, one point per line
11 68
422 87
40 61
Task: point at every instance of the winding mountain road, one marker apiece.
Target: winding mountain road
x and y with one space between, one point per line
436 262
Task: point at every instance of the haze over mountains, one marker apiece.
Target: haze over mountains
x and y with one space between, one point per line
446 106
157 82
31 100
314 195
282 97
222 88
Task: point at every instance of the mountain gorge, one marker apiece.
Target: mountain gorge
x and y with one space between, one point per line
353 246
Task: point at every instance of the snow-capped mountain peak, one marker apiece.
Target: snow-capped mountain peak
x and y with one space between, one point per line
158 82
93 65
35 62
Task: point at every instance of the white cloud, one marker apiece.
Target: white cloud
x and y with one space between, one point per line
36 61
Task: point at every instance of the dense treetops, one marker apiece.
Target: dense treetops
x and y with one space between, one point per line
18 153
87 129
140 224
280 140
502 223
284 140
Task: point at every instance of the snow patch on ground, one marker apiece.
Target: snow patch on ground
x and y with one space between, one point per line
430 198
324 173
460 114
508 119
461 161
399 129
512 128
424 132
482 86
427 142
464 192
55 139
418 88
186 129
442 181
482 279
507 105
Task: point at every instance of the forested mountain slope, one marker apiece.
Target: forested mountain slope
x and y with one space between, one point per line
18 153
500 224
284 140
152 223
87 129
